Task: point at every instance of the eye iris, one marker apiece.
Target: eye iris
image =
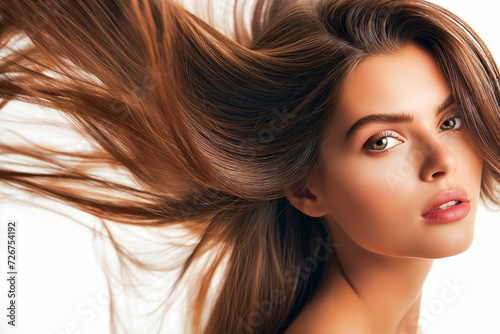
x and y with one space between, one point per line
449 124
379 144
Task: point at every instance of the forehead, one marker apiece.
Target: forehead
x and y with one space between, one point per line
407 81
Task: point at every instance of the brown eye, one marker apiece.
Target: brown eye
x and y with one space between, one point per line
451 123
380 144
383 143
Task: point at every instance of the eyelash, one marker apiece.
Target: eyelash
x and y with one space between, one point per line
386 134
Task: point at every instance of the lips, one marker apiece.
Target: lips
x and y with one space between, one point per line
447 205
451 198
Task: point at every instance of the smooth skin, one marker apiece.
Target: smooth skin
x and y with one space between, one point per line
373 188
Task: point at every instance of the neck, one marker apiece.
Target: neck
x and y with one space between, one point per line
390 287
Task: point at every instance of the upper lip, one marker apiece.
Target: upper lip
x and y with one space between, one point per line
455 194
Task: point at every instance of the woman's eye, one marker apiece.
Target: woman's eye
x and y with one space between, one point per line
382 143
451 123
387 140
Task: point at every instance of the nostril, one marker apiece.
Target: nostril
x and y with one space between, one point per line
437 174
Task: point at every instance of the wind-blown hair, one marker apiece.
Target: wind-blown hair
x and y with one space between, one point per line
213 127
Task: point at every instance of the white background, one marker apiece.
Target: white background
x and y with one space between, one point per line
61 288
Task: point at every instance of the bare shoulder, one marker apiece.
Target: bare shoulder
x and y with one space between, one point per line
332 313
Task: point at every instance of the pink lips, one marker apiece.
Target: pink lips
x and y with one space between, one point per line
451 214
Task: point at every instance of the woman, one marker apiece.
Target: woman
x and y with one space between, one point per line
322 159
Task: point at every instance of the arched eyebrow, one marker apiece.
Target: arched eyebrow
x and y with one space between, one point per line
393 118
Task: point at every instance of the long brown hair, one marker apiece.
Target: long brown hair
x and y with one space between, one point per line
212 127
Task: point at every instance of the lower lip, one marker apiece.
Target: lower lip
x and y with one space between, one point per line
450 215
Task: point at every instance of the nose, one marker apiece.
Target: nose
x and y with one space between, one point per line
439 161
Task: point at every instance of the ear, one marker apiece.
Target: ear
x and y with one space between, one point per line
307 199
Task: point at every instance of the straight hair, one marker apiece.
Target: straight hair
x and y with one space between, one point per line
212 127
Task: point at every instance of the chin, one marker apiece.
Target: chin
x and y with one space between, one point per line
453 249
450 242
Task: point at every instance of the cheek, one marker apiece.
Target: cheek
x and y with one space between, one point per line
470 166
470 160
370 200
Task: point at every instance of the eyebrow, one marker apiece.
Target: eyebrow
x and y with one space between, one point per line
393 118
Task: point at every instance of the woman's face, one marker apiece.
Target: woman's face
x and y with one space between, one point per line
380 177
